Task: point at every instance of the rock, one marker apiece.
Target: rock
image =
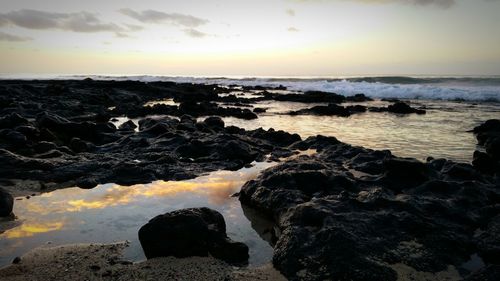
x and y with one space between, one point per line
484 163
403 108
128 126
234 150
492 146
488 273
190 232
16 260
16 138
358 98
310 97
280 137
329 110
214 122
65 130
488 136
492 125
86 183
341 223
6 203
78 145
12 120
401 173
29 131
259 110
488 242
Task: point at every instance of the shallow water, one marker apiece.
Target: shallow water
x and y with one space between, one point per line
441 133
110 213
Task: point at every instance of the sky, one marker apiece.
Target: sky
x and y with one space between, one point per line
250 38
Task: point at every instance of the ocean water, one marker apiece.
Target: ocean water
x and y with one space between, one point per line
444 132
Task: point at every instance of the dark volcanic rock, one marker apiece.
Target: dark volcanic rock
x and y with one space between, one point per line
403 108
398 107
331 110
488 136
489 273
6 203
489 241
309 97
58 131
129 125
214 122
358 98
487 130
190 232
348 213
279 138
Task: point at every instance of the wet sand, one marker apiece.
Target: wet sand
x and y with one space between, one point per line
105 262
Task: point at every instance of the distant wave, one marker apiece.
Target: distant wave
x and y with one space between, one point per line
400 87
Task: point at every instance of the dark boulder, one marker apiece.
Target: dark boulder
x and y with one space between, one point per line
259 110
492 146
78 145
214 122
279 137
489 241
484 163
6 203
234 150
14 138
190 232
490 126
401 173
311 97
12 120
403 108
488 136
128 126
488 273
329 110
358 98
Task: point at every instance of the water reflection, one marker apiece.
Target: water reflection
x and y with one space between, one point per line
165 102
33 228
110 213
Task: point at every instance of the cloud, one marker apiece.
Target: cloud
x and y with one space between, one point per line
133 27
13 38
77 22
290 12
194 33
121 35
438 3
152 16
292 29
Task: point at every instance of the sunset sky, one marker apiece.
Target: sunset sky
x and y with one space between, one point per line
252 38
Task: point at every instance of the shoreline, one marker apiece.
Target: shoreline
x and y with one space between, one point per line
342 211
104 262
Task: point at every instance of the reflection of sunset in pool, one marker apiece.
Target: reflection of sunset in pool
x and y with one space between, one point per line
30 229
112 212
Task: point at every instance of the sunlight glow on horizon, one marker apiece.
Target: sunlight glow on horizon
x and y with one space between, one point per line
261 38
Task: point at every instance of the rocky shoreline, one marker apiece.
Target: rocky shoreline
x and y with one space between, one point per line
344 213
105 262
